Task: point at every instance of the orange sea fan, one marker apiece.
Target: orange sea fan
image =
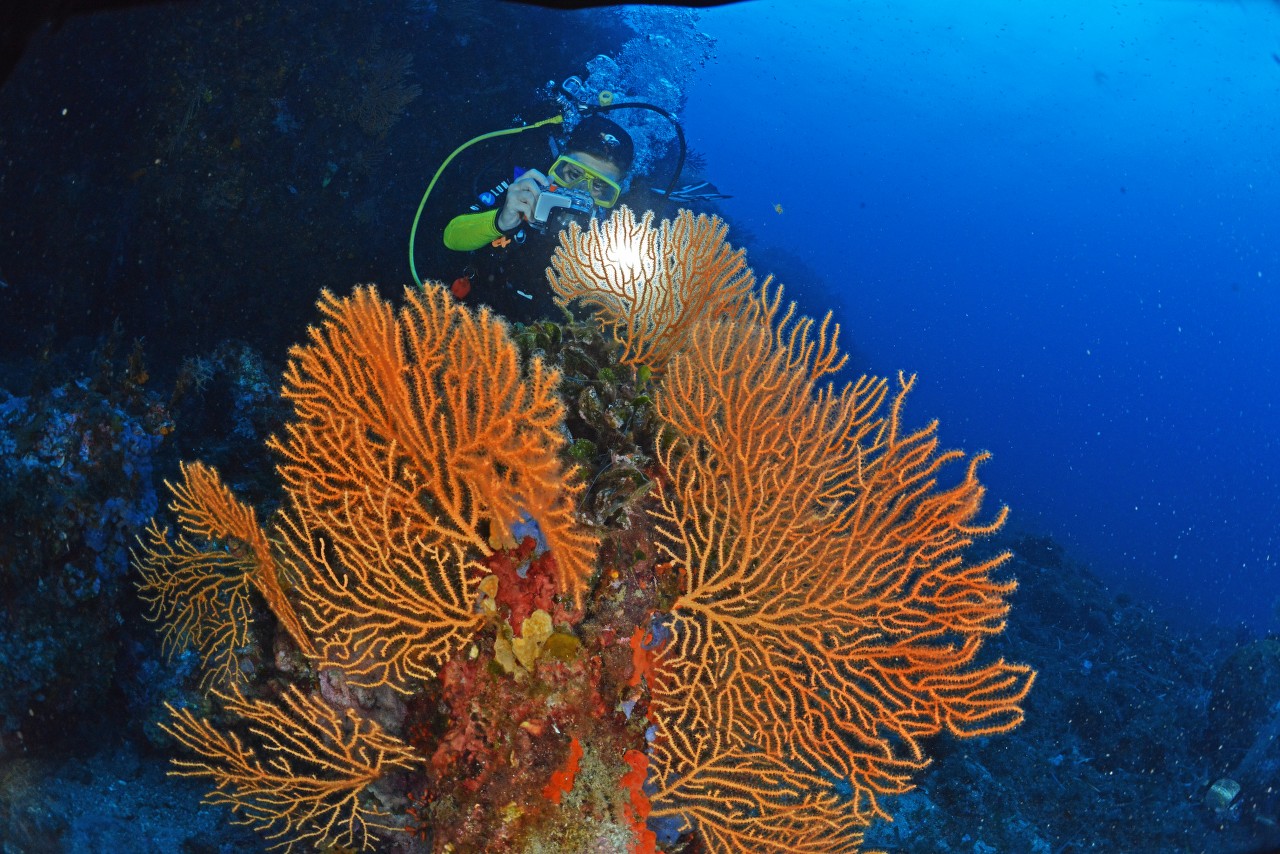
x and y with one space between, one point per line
200 595
418 443
651 285
302 779
828 621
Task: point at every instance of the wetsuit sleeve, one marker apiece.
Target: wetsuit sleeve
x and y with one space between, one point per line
471 231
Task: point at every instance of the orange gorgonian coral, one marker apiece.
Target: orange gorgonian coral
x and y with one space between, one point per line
650 286
303 778
828 621
201 595
418 442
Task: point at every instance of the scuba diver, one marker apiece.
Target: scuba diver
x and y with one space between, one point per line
513 228
596 159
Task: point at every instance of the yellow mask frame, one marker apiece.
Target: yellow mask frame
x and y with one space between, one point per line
568 173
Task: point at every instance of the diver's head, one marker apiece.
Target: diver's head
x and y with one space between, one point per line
598 154
603 139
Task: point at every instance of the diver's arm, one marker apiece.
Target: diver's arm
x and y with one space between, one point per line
471 231
520 200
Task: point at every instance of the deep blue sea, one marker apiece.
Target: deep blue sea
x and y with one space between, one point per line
387 615
1066 219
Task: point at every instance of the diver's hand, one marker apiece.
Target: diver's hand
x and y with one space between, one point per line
521 198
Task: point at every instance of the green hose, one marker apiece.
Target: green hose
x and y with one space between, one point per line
554 120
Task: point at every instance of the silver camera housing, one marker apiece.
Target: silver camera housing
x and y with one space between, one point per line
577 201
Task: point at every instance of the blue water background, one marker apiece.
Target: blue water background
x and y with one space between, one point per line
1066 218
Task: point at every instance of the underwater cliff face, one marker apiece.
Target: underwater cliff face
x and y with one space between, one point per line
209 184
1060 219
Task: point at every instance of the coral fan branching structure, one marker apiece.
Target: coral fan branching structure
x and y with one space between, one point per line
827 621
749 648
651 286
303 778
200 595
418 443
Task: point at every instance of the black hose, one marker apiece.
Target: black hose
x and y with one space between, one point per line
641 105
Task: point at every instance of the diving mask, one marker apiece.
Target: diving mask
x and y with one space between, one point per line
568 173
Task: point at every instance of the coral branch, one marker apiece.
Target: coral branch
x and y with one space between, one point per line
828 622
651 286
418 444
306 784
749 800
201 595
